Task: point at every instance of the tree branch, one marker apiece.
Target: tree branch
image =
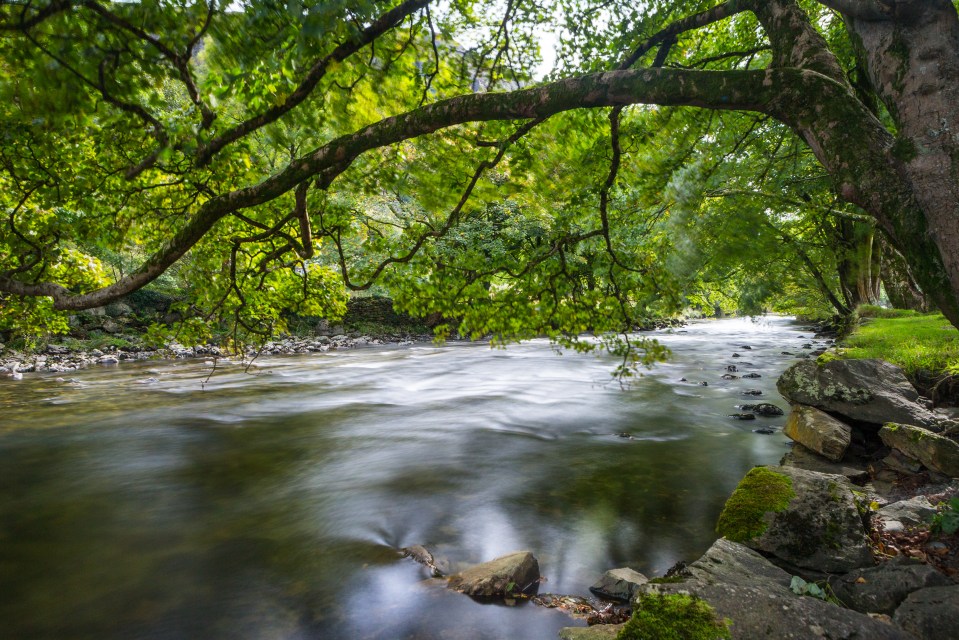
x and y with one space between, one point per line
739 90
379 26
870 10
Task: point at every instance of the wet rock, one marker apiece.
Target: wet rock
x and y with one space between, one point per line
752 392
752 375
743 416
807 519
619 584
871 391
935 452
914 511
736 355
766 431
729 376
764 409
513 573
931 613
422 555
883 588
746 347
731 368
754 595
803 458
704 383
818 431
786 353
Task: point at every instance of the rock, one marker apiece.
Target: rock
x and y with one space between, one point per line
596 632
513 573
746 347
936 452
754 595
882 588
914 511
871 391
803 458
766 431
729 376
117 309
764 409
619 584
743 416
898 461
736 355
731 368
818 431
752 392
807 519
931 613
752 375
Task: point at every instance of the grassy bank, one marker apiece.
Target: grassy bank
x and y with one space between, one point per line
925 346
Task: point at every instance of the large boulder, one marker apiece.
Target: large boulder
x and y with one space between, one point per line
936 452
754 595
818 431
513 573
882 588
871 391
930 614
807 519
619 584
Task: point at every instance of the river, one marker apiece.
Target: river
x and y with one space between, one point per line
157 501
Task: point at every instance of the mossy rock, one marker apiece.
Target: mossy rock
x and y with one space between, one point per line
806 519
762 491
676 616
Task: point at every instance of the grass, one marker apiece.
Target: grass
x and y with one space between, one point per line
921 344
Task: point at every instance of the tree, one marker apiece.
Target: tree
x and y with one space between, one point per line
243 138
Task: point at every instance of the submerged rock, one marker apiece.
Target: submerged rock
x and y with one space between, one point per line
936 452
619 584
818 431
764 409
871 391
807 519
514 573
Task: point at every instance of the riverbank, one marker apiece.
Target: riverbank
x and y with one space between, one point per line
855 534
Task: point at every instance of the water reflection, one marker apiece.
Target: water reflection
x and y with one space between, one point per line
271 505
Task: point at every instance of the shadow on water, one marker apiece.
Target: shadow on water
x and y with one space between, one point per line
273 505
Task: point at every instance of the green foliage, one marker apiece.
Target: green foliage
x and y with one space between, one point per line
947 519
823 592
673 617
761 491
919 344
873 311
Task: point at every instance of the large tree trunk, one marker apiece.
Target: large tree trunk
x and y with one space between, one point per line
900 285
913 63
858 271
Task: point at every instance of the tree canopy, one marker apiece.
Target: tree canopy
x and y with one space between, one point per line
277 154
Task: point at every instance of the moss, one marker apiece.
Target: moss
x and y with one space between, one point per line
673 617
761 491
904 149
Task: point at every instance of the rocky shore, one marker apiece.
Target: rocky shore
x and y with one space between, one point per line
845 539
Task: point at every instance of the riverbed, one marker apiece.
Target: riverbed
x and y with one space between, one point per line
170 500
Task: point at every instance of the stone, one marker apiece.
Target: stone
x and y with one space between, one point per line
596 632
936 452
871 391
803 458
754 595
881 589
752 392
818 431
916 510
806 519
117 309
931 613
513 573
619 584
752 375
764 409
743 416
898 461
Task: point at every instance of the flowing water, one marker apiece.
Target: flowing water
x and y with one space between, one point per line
153 500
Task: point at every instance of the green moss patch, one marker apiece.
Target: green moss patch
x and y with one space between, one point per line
761 491
673 617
